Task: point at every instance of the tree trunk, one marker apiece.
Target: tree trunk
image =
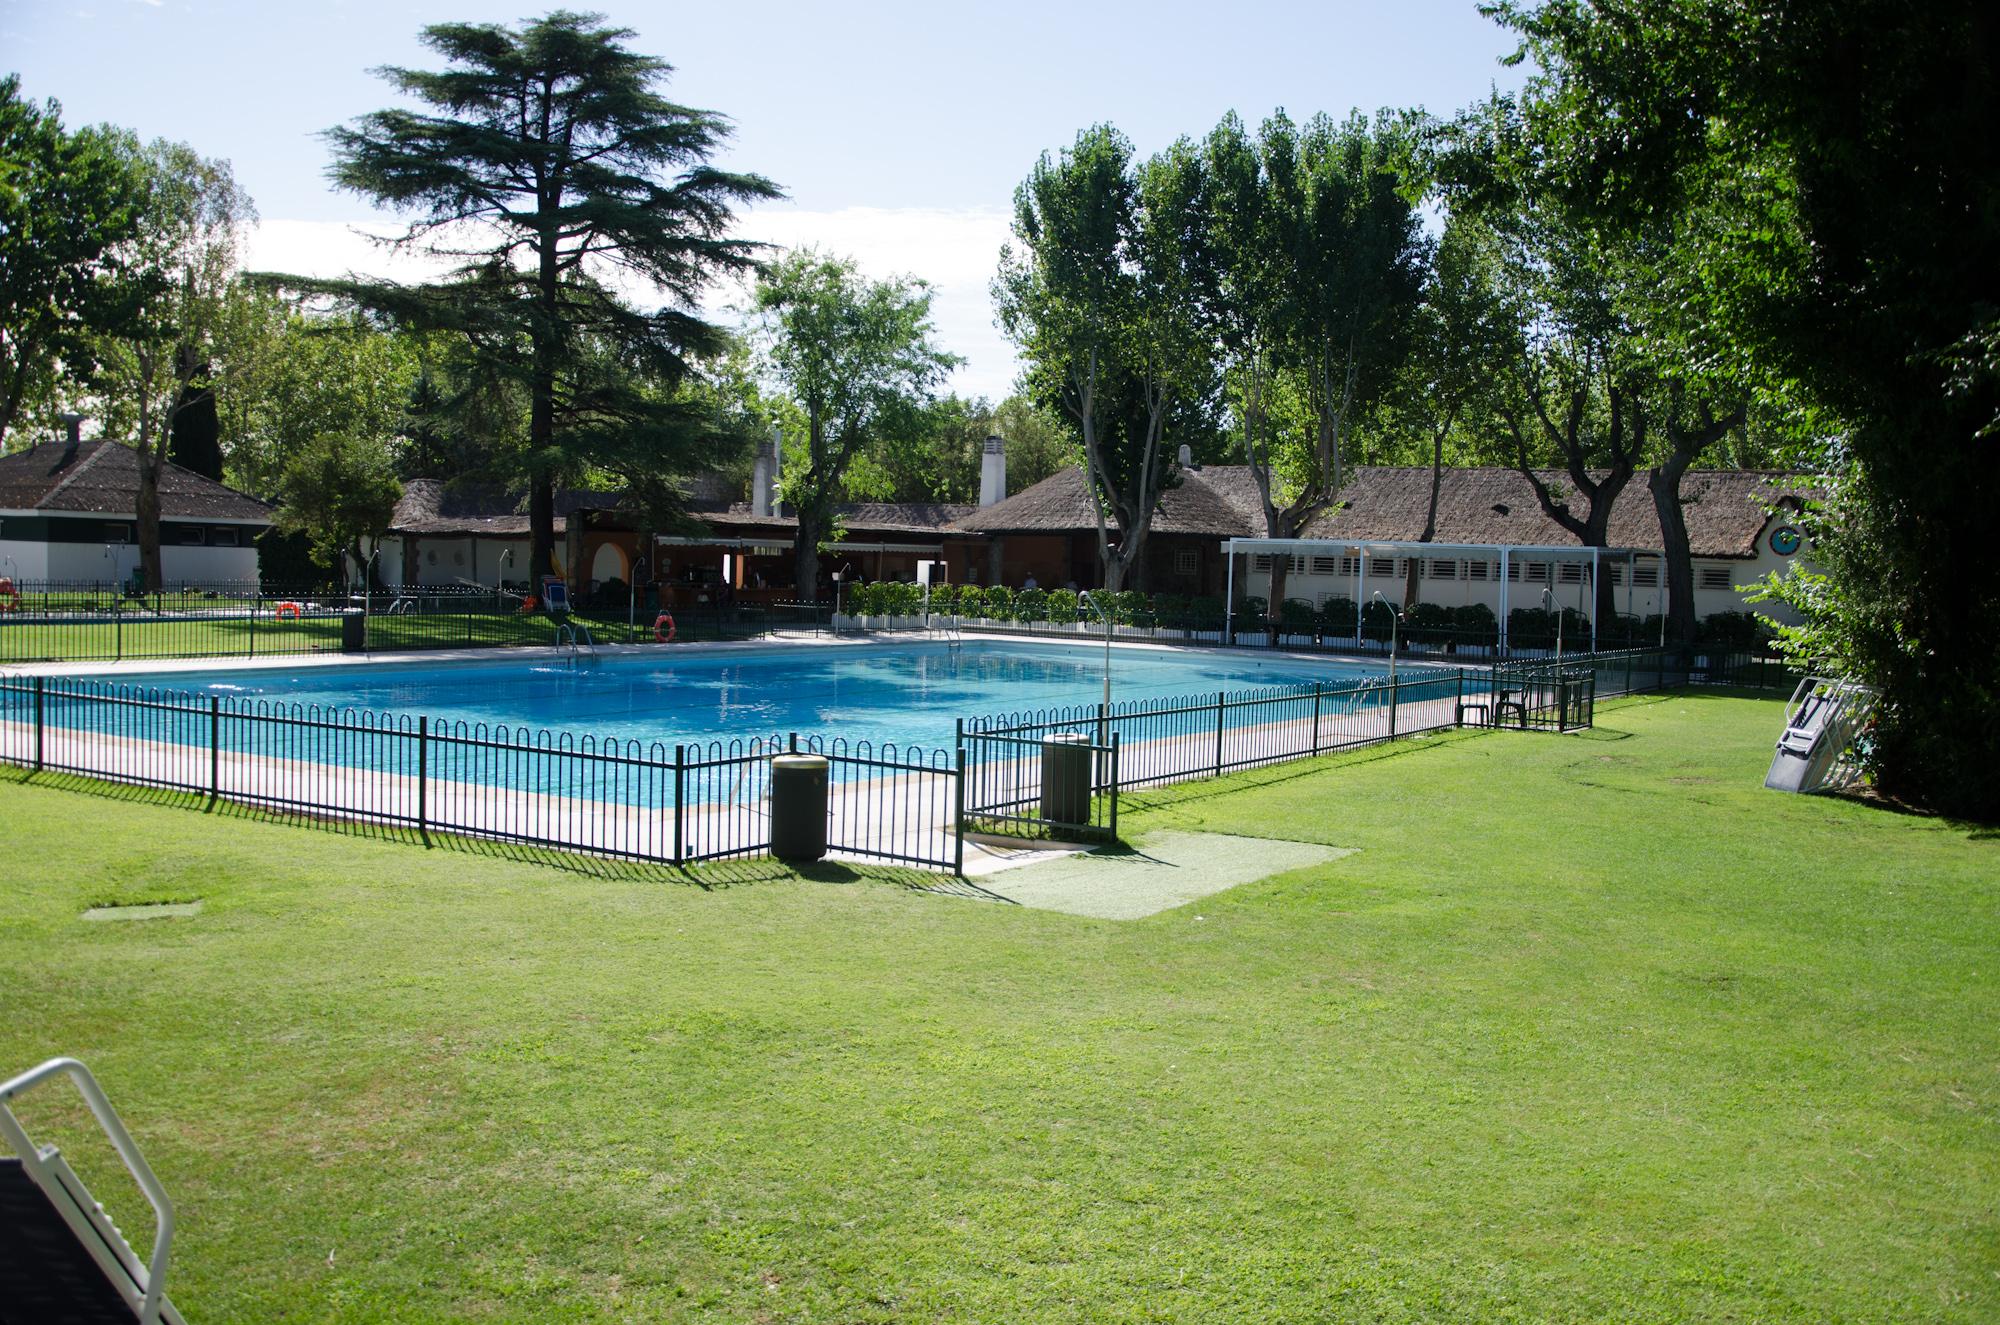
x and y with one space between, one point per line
805 565
1410 589
541 530
148 514
1664 481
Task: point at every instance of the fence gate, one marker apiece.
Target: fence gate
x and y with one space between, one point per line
1061 784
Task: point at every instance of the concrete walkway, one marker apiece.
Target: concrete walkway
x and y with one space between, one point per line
1169 869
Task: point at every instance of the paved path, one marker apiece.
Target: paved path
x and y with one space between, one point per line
1169 869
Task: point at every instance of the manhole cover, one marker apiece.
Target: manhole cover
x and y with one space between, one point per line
143 911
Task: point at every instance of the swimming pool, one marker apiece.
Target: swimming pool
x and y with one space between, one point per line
901 694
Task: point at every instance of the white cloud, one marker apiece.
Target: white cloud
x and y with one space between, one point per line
956 251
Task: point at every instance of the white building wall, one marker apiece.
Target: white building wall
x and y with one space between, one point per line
21 559
1634 599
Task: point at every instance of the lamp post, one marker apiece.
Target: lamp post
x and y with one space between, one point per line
1395 628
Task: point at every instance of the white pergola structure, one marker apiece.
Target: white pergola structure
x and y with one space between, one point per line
1504 553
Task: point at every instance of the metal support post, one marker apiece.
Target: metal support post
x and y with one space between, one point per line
423 778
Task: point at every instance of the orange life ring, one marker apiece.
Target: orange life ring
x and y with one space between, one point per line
664 619
528 605
292 610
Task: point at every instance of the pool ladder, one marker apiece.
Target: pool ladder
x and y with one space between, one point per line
582 649
946 628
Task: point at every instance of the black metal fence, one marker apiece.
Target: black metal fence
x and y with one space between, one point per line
1047 772
1152 742
82 621
606 797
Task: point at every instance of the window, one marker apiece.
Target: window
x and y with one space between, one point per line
224 537
118 533
1385 569
1260 561
1187 561
1479 570
1350 566
1326 565
1646 577
1535 572
1712 577
1443 569
1570 572
190 535
1615 573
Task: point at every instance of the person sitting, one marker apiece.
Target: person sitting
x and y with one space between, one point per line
1029 583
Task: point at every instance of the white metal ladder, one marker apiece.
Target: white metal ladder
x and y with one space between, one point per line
1816 751
61 1234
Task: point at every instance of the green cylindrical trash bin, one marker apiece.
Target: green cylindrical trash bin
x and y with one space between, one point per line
798 807
353 632
1066 778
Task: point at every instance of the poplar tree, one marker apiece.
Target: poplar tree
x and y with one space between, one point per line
549 168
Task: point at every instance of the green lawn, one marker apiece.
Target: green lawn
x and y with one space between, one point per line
1589 1028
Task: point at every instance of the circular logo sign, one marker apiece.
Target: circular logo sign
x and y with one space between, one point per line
1785 540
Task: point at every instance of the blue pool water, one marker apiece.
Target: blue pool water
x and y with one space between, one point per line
903 694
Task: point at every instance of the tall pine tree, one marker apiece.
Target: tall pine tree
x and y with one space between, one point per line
550 168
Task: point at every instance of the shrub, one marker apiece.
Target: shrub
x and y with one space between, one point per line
1000 602
1336 616
1206 612
1170 610
1253 612
864 600
1062 605
970 600
1031 605
1378 620
1132 608
1476 624
1297 615
1736 630
1428 623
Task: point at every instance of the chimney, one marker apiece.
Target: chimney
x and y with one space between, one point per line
993 471
73 422
777 467
764 478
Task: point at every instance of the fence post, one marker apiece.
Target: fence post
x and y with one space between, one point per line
39 683
1114 786
1221 698
1395 689
118 628
1319 689
1458 709
680 782
958 808
214 749
423 778
1628 671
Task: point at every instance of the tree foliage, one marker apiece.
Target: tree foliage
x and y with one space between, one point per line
71 203
550 169
1854 269
856 359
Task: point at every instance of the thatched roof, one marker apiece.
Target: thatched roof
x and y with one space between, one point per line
1726 509
913 517
436 509
1381 503
1208 501
102 478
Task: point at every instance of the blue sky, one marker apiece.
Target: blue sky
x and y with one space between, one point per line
898 130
